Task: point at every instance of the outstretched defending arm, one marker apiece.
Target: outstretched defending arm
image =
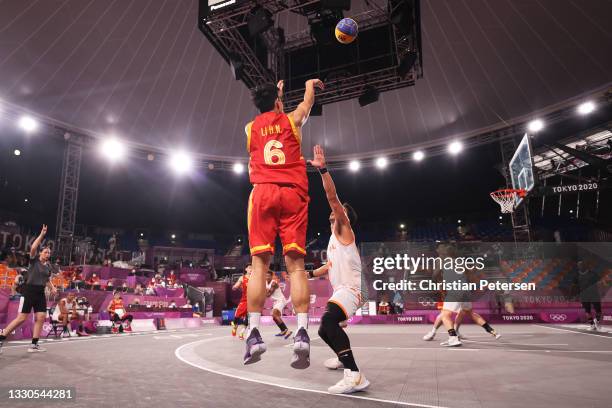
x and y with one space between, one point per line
301 113
343 224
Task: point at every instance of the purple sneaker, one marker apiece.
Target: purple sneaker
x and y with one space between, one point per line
255 347
301 350
284 333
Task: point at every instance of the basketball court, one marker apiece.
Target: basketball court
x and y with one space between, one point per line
531 365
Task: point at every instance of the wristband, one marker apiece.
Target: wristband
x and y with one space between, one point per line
322 170
311 274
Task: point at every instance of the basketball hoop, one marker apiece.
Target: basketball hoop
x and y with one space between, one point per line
506 198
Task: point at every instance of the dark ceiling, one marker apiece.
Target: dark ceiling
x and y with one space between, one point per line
140 69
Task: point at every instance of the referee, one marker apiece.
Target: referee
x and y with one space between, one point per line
33 293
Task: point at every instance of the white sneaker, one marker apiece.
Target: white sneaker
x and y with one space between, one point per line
592 327
352 381
496 335
429 336
333 363
597 325
461 336
452 342
35 348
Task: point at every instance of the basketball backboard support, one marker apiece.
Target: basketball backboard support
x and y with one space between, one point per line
521 168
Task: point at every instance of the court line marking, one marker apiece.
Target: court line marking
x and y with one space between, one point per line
406 348
573 331
177 354
515 344
46 342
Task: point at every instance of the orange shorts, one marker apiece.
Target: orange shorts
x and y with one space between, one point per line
277 210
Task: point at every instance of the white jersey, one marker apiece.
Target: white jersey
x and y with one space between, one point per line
277 295
57 311
345 271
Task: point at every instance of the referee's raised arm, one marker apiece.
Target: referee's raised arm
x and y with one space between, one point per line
38 241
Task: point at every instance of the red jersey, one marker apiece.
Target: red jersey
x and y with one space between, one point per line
274 144
245 283
116 304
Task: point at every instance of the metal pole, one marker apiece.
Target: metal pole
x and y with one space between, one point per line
560 199
543 201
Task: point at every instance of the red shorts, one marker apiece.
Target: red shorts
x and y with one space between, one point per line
277 210
241 310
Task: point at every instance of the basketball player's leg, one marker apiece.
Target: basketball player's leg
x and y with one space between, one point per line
479 320
293 222
458 321
587 306
448 309
277 316
263 215
341 306
437 324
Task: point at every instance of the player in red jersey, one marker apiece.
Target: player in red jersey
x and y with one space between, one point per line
278 205
240 317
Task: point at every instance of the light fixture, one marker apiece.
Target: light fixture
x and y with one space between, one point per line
535 125
173 236
586 107
17 152
458 221
181 162
402 226
381 162
455 147
28 124
238 168
354 165
418 155
112 149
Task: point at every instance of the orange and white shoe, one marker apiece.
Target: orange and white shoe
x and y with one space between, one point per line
234 329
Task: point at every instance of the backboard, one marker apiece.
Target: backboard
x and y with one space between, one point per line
521 168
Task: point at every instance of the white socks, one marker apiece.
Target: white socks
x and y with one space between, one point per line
254 320
302 321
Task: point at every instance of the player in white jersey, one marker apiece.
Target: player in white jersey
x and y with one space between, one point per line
274 292
455 302
344 269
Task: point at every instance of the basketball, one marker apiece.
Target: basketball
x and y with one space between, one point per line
346 30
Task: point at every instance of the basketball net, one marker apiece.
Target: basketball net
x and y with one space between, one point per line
506 198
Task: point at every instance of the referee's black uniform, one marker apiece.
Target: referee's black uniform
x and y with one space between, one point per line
33 292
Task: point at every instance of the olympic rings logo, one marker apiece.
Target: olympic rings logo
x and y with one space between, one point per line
426 301
558 317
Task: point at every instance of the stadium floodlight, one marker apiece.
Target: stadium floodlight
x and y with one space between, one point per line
173 236
28 124
238 168
381 162
113 149
181 162
418 155
455 147
586 107
354 165
535 125
458 221
17 152
402 226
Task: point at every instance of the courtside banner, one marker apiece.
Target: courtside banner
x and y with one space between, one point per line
500 279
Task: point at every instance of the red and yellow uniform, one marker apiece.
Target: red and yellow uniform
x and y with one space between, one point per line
116 304
241 310
279 201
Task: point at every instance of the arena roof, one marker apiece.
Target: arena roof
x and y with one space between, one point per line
141 70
